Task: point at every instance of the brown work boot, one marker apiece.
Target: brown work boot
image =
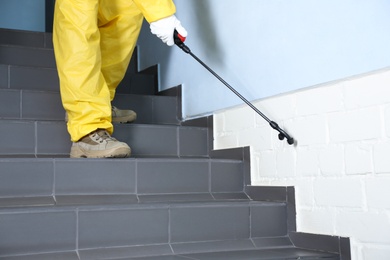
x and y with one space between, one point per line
122 116
118 115
99 144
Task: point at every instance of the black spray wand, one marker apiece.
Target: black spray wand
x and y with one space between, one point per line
179 41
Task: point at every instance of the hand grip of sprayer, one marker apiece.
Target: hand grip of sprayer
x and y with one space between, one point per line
179 41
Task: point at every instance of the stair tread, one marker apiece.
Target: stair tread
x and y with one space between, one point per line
121 200
126 202
281 253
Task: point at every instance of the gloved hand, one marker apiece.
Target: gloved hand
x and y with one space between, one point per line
165 27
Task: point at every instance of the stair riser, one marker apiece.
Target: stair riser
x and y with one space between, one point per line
21 178
39 78
25 104
164 141
20 56
4 82
35 232
29 78
150 109
26 38
44 138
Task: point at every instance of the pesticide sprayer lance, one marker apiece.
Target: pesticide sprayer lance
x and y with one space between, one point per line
179 41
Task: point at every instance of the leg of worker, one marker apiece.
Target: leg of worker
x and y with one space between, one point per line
119 23
84 92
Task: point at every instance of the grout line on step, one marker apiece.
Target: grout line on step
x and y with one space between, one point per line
36 138
77 234
54 182
178 142
136 181
9 77
169 230
21 104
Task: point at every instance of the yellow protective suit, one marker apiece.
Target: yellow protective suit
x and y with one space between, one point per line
93 43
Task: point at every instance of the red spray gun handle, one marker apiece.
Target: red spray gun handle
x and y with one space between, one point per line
179 41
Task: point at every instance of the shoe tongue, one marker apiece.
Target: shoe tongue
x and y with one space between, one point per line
102 133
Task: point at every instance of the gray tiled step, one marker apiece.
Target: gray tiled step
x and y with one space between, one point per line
50 138
137 83
287 253
62 181
27 61
177 226
32 39
150 109
269 254
40 78
96 199
29 78
25 38
27 56
46 105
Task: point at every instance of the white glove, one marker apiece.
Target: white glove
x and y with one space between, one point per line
165 27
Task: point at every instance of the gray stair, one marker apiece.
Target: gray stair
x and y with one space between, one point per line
46 105
134 230
25 38
49 138
175 198
47 181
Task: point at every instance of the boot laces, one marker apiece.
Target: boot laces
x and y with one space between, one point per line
101 136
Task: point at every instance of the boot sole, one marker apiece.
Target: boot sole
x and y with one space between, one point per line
77 152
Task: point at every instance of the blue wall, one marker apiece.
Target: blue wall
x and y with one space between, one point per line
23 14
264 48
261 47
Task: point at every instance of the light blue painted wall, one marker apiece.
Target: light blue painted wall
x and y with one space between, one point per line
264 48
23 15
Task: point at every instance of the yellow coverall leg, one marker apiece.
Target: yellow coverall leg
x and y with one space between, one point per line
93 42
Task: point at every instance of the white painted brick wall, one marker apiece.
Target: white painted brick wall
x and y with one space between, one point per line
356 125
267 164
338 192
319 101
319 221
377 192
340 166
358 158
308 163
332 160
366 227
381 157
310 130
369 90
387 120
304 190
376 252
